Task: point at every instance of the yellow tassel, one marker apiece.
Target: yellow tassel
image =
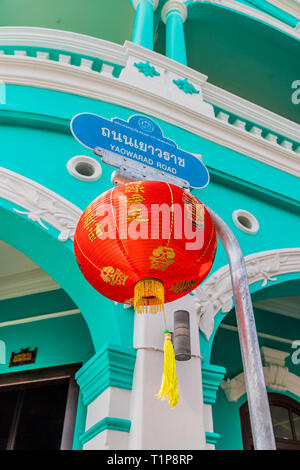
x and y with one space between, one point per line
169 388
149 293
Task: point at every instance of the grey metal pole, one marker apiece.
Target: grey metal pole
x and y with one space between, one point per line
260 417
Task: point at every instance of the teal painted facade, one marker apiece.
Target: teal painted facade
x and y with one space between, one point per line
36 143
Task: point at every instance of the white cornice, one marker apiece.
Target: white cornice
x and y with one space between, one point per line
215 294
30 282
159 103
122 55
273 356
276 378
250 111
170 65
40 203
63 40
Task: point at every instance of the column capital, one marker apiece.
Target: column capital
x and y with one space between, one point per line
212 376
177 6
111 366
153 2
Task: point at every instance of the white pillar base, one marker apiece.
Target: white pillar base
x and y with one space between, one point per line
154 425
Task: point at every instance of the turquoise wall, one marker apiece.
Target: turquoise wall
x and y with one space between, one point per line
59 341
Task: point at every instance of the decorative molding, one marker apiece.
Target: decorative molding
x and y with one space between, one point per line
215 293
273 356
250 111
41 203
62 40
212 376
158 102
277 377
27 283
186 86
168 65
111 366
212 437
162 90
177 6
161 99
114 424
147 69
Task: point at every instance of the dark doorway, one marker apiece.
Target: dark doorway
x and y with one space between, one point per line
38 409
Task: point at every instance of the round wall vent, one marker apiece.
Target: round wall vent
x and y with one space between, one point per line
84 168
245 221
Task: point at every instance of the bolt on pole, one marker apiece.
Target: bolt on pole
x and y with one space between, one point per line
259 409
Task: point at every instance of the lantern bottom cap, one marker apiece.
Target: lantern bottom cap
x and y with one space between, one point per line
149 296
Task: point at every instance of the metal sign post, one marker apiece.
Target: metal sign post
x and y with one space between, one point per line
260 416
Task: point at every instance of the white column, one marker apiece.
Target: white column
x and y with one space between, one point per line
154 425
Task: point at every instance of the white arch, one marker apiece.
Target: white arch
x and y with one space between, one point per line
215 293
40 203
277 377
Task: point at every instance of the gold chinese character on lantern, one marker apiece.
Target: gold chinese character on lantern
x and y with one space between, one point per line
92 233
89 217
135 213
162 257
99 230
195 212
113 276
136 199
134 187
182 286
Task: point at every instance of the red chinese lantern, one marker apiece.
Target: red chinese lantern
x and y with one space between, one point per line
132 240
145 243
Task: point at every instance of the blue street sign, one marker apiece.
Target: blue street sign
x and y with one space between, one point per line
139 139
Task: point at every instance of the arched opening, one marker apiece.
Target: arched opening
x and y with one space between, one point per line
44 247
46 340
285 413
277 316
